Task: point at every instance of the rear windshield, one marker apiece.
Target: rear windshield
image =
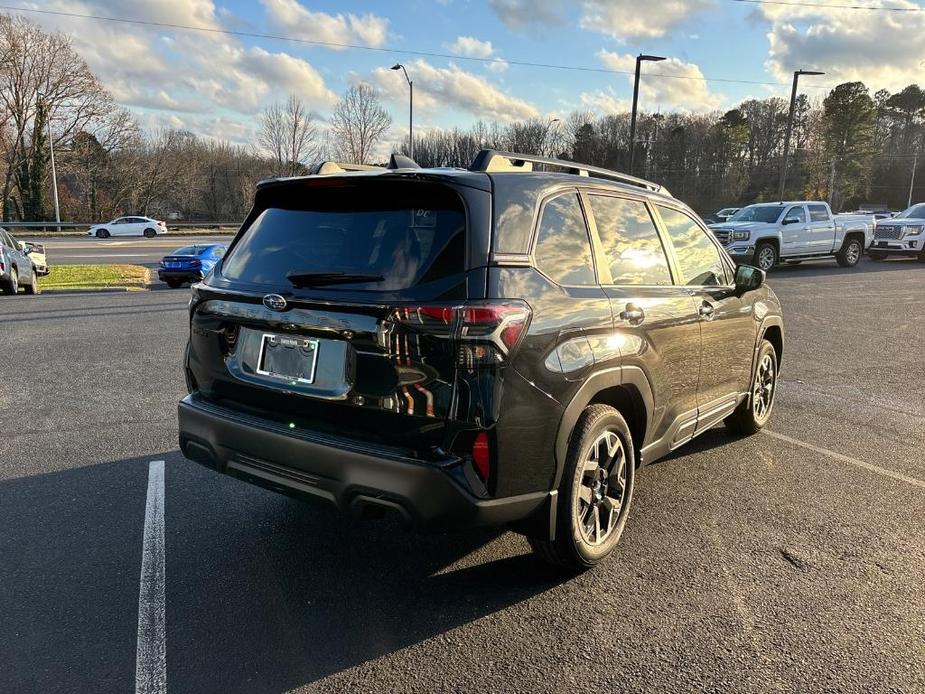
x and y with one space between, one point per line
190 250
407 233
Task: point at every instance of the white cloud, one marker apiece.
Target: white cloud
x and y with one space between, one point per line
682 85
527 14
629 19
471 47
877 48
437 88
497 65
299 21
606 102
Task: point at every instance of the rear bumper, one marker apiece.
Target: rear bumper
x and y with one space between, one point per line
348 474
181 275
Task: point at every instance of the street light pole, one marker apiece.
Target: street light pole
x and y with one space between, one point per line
915 161
787 136
54 176
546 134
639 60
399 66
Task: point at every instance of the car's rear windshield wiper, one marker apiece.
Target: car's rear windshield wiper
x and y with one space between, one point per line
313 279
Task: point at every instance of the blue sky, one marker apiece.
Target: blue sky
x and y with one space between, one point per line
216 84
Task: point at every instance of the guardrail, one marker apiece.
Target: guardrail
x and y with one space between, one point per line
62 226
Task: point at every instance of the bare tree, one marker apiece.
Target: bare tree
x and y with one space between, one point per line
358 123
36 66
289 133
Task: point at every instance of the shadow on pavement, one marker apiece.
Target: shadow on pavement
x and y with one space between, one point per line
267 593
828 266
264 593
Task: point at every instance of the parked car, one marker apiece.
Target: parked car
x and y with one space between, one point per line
15 267
36 253
443 344
723 215
904 234
128 226
190 263
767 233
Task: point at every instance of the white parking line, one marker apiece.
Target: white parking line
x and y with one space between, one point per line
847 459
151 656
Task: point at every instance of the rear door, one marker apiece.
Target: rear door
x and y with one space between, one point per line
336 305
822 229
727 326
656 321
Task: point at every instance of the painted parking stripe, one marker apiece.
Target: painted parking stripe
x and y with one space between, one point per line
151 656
847 459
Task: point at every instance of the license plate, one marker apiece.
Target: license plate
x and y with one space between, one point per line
288 358
883 244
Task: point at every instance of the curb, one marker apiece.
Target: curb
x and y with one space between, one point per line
88 290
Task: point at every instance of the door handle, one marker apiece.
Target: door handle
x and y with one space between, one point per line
633 314
707 310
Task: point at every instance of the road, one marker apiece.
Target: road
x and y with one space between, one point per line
789 561
74 250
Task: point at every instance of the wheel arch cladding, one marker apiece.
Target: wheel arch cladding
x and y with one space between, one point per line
775 336
628 401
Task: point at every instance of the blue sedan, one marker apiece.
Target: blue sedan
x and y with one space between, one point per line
190 263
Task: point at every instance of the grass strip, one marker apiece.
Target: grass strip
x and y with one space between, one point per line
94 277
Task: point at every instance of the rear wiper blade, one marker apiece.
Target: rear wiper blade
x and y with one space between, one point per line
313 279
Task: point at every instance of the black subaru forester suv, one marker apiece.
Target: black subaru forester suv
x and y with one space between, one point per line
497 345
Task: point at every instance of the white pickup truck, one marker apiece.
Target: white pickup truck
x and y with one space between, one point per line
904 234
768 233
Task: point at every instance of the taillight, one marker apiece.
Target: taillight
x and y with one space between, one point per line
487 331
481 455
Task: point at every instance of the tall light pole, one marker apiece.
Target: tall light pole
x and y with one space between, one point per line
54 176
915 161
639 60
793 105
399 66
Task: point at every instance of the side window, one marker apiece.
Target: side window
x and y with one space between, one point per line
563 247
698 257
5 240
797 212
818 213
630 239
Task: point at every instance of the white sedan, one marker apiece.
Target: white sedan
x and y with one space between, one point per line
128 226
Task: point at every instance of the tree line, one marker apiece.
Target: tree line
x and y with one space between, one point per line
851 147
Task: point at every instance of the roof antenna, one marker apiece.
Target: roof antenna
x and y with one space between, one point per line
400 161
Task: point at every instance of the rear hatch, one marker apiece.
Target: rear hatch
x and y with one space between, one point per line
335 308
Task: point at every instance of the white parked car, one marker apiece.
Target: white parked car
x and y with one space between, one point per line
128 226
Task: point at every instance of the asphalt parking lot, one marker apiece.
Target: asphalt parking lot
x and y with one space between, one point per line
790 561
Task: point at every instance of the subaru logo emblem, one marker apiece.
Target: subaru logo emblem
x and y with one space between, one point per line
274 302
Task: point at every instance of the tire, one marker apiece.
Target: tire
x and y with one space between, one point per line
12 286
877 255
754 412
850 253
150 233
34 287
921 256
766 256
174 284
589 490
102 234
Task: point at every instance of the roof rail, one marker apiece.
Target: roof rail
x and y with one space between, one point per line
491 160
326 168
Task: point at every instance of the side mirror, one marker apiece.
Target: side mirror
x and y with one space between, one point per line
792 220
748 278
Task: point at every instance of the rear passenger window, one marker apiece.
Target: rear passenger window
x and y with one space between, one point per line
698 258
631 243
818 213
563 247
